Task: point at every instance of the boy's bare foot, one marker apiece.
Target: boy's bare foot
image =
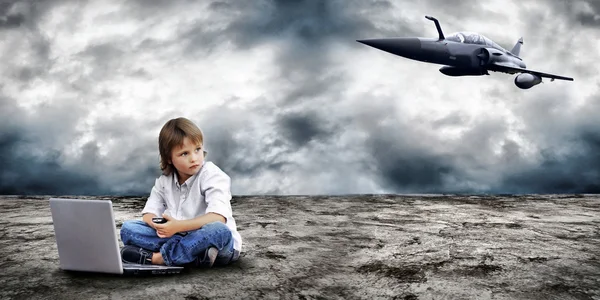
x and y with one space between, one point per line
157 259
212 255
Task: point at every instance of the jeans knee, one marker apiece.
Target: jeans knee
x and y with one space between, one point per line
216 226
220 231
128 228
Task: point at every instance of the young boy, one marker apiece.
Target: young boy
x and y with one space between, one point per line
193 197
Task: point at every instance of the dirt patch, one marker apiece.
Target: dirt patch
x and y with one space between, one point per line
344 247
404 274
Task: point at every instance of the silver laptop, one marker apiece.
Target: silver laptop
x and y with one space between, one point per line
86 238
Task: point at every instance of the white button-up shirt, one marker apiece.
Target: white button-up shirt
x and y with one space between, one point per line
207 191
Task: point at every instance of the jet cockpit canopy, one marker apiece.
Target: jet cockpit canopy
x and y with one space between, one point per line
472 38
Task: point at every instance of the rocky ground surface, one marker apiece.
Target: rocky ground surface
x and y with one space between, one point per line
343 247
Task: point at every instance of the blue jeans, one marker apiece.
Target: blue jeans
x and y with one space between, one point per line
189 248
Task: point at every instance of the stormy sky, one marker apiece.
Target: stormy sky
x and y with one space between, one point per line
289 102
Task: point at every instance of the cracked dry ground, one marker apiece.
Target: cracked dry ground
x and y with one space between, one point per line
344 247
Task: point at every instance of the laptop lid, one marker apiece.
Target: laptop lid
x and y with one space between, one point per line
86 235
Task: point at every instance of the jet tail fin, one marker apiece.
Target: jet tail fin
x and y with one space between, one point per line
517 48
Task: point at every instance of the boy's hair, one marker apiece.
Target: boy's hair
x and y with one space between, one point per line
172 135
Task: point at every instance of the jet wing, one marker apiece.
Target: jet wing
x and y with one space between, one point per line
511 69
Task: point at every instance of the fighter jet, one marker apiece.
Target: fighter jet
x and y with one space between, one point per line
464 54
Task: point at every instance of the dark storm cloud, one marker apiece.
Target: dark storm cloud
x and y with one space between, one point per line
28 165
575 172
591 19
300 129
33 162
407 170
305 68
305 109
308 29
451 15
309 22
34 138
26 13
570 153
577 16
131 162
21 17
410 160
234 144
559 28
11 21
305 27
26 72
48 177
116 160
107 59
24 173
305 65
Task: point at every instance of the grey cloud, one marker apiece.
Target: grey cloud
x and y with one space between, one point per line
457 9
131 160
306 24
31 166
235 143
511 153
141 73
479 140
35 163
583 17
408 170
19 18
39 66
102 53
27 13
309 81
303 63
107 59
301 129
305 123
412 161
11 21
455 118
33 142
309 22
556 28
569 158
26 74
9 18
575 172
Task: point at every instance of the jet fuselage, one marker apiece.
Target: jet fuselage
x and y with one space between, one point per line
466 58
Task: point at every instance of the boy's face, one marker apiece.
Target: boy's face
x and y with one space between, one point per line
187 159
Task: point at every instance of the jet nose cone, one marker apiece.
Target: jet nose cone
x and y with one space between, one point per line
366 42
407 47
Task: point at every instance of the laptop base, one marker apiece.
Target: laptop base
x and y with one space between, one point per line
137 269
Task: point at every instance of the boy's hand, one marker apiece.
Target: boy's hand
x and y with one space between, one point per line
168 229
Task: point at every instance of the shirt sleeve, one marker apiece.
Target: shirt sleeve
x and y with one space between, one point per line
216 188
156 201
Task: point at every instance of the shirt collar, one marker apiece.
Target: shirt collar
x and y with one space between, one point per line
189 181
